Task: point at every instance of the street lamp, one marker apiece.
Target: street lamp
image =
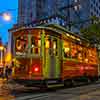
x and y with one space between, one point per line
6 16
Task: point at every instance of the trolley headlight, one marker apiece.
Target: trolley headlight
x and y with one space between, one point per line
36 68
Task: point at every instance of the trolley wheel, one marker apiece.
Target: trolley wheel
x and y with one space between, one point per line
68 83
43 85
94 79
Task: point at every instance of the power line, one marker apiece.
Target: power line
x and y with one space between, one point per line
8 10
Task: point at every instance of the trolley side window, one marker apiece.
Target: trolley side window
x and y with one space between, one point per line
21 44
85 55
80 53
51 45
47 42
35 44
73 51
66 49
92 56
55 47
48 45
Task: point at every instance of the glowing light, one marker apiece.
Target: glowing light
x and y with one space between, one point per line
8 57
67 49
39 43
7 16
86 60
1 47
32 45
47 43
81 69
54 46
36 69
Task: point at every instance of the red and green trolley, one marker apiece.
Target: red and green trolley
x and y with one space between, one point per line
49 55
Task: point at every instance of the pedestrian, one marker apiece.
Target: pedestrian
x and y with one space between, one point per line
9 72
6 72
1 72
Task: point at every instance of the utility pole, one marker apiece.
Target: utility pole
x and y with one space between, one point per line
69 25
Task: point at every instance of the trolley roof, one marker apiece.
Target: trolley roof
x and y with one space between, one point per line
52 27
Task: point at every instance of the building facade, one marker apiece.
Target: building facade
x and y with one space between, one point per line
76 12
30 10
2 54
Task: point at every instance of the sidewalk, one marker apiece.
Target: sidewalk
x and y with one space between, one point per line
5 93
7 86
11 85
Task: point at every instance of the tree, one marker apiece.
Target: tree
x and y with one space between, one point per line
92 32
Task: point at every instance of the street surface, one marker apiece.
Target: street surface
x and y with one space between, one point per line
12 91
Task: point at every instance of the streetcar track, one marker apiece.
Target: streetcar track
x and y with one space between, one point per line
32 97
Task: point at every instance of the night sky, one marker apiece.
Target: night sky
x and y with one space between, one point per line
11 7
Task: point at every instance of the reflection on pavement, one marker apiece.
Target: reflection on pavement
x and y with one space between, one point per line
5 91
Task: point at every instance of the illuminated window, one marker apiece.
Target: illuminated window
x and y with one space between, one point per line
47 44
73 50
55 47
21 44
92 55
50 45
35 45
66 49
79 53
85 55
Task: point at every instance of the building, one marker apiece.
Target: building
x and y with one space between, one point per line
76 12
31 10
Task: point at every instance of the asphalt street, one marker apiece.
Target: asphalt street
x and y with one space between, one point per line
9 91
